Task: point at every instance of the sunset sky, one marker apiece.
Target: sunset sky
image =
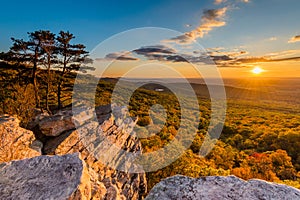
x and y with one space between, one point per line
238 35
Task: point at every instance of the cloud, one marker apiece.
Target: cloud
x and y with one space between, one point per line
219 57
155 49
123 56
210 19
266 59
294 39
167 54
296 58
235 53
217 2
273 38
215 49
248 61
245 1
156 52
212 56
283 54
252 60
237 57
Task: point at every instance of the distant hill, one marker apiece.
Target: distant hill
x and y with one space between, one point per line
285 90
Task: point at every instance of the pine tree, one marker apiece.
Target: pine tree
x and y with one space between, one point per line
72 58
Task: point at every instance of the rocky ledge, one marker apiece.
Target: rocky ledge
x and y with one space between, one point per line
57 135
216 187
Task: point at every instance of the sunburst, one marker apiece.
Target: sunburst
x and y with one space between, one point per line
257 70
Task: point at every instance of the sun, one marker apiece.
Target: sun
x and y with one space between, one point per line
257 70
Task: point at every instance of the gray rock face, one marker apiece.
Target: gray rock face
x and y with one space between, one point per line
225 188
44 177
16 142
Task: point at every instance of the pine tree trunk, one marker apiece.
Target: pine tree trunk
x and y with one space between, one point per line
34 80
35 86
60 83
59 94
48 85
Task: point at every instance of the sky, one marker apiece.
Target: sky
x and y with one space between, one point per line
238 35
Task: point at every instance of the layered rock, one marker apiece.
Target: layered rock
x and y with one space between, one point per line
97 137
16 142
227 188
45 177
63 120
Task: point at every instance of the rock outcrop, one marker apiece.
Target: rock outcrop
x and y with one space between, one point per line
63 120
77 168
216 187
16 142
45 177
106 182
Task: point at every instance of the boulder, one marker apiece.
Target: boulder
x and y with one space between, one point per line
216 187
16 142
45 177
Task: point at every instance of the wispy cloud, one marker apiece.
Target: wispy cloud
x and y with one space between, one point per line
239 58
210 19
219 56
245 1
123 56
155 52
155 49
283 54
234 53
272 38
215 49
294 39
217 2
